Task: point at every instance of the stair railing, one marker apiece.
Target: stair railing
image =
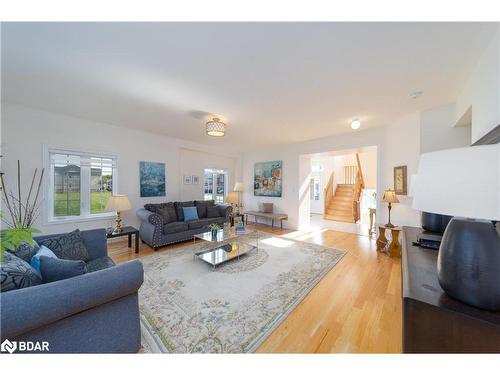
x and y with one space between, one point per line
328 193
359 185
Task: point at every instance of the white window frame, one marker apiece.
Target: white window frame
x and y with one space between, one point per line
215 172
85 214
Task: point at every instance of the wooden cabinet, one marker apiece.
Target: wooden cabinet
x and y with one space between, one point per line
433 322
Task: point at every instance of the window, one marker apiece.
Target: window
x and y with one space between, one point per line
79 184
314 189
215 185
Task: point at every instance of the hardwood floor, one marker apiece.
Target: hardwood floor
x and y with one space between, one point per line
355 308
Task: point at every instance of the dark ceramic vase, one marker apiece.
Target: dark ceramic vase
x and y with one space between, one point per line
469 263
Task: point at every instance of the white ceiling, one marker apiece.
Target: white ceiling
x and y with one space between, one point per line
271 82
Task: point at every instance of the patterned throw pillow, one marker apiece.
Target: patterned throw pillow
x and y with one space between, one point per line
15 273
67 246
26 251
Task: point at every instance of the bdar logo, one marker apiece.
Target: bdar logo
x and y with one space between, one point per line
8 346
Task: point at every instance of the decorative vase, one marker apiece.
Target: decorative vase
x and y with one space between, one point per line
469 263
214 234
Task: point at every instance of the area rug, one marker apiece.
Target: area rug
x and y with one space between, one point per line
188 307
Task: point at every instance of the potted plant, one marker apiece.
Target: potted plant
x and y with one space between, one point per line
22 213
214 228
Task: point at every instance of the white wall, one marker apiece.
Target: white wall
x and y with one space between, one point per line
437 131
194 162
402 147
482 91
25 131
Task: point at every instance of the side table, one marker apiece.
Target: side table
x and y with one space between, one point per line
394 247
235 215
127 231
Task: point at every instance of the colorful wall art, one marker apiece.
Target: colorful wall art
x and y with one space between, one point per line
268 180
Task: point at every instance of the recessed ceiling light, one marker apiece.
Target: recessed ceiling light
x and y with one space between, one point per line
355 124
416 94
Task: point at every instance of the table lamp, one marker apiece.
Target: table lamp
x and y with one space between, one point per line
232 198
118 203
238 188
390 197
465 183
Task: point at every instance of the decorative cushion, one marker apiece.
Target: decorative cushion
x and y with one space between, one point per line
190 213
154 207
266 208
178 208
175 227
26 251
213 212
15 273
68 246
53 269
99 264
201 207
43 251
168 213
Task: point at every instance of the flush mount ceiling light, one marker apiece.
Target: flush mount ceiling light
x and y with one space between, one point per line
216 128
355 124
416 94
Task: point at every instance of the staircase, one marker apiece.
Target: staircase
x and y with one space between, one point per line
341 202
340 206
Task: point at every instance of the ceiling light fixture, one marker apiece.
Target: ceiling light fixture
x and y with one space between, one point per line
355 124
216 128
416 94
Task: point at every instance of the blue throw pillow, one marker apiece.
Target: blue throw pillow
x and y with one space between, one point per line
43 251
54 269
190 213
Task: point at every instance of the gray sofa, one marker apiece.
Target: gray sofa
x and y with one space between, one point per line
97 312
163 223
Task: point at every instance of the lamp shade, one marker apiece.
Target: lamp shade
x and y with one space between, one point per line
460 182
118 203
390 197
232 197
238 187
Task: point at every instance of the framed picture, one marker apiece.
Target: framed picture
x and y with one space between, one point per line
152 179
195 180
268 179
400 180
188 180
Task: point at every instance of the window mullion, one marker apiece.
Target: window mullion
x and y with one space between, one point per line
85 191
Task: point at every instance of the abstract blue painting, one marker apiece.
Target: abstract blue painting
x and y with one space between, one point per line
152 179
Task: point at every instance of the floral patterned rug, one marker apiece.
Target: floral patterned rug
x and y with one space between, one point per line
188 307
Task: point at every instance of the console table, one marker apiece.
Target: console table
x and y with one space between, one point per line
265 215
433 322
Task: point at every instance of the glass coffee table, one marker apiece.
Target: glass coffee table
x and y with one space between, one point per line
226 246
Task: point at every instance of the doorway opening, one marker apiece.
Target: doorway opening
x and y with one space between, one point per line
343 190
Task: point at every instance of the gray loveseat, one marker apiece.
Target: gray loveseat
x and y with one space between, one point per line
163 223
97 312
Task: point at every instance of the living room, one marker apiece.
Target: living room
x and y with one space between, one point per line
165 200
